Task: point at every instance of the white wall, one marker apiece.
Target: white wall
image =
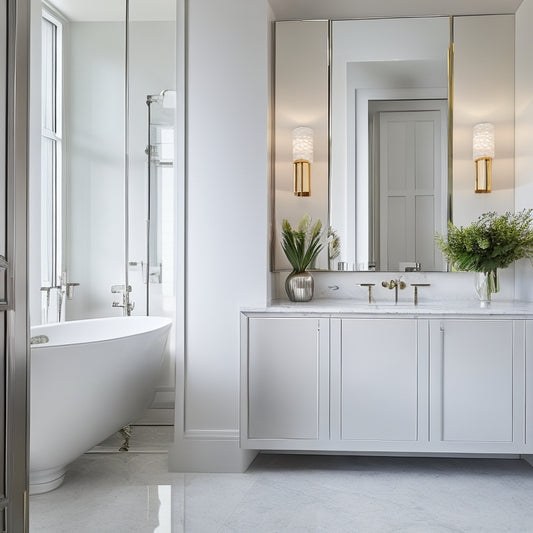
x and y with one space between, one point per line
524 134
94 109
226 263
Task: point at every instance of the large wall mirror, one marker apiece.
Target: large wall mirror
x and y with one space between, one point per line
382 176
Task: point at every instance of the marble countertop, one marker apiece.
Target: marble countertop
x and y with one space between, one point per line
332 306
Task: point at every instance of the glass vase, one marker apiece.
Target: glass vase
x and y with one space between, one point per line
486 284
299 286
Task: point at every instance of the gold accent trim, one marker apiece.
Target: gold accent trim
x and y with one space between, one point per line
483 175
451 81
302 178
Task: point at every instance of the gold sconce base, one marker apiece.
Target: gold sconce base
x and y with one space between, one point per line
302 178
483 174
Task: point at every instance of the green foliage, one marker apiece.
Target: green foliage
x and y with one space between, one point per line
302 245
334 244
489 243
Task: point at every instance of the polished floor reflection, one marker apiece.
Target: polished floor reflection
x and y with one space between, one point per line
133 492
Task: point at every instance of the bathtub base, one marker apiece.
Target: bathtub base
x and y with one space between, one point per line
46 480
93 377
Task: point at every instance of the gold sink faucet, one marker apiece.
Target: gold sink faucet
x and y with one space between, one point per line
394 284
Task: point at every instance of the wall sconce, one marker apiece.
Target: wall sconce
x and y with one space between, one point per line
483 152
302 155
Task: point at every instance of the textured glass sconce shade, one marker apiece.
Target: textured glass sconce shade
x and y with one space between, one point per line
483 153
302 155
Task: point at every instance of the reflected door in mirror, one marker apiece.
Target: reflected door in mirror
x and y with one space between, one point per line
408 196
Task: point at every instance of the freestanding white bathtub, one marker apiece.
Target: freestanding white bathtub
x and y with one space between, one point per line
89 380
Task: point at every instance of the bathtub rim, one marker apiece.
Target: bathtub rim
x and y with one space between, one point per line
40 329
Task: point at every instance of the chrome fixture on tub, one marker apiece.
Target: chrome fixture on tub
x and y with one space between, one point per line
394 284
126 305
64 288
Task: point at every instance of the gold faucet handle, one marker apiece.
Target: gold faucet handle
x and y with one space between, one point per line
402 284
416 285
369 286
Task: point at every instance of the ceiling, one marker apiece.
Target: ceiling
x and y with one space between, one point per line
114 10
346 9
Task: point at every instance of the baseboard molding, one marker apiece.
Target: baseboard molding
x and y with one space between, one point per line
528 459
433 455
209 452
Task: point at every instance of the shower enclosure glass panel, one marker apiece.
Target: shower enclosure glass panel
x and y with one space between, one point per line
151 178
151 77
160 246
118 231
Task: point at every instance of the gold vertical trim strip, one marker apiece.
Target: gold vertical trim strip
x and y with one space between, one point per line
451 57
330 65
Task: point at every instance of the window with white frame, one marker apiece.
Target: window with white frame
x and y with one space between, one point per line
51 149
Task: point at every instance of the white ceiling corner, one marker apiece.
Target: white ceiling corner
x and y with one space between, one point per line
115 10
347 9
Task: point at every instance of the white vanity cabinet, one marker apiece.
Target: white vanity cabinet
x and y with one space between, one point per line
379 394
285 391
477 382
387 383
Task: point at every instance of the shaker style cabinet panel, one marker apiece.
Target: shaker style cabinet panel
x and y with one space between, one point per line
286 379
379 380
477 383
378 384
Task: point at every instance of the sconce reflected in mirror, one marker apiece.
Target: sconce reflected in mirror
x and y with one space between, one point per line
483 153
302 155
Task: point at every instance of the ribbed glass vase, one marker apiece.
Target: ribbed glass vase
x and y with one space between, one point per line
299 286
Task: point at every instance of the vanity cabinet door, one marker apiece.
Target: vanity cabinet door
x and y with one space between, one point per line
285 382
477 383
380 391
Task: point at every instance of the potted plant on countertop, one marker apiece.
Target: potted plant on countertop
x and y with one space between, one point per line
491 242
301 246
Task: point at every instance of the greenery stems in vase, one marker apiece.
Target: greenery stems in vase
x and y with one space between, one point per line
334 246
493 241
301 245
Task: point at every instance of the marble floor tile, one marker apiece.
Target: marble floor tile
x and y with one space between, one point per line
134 492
